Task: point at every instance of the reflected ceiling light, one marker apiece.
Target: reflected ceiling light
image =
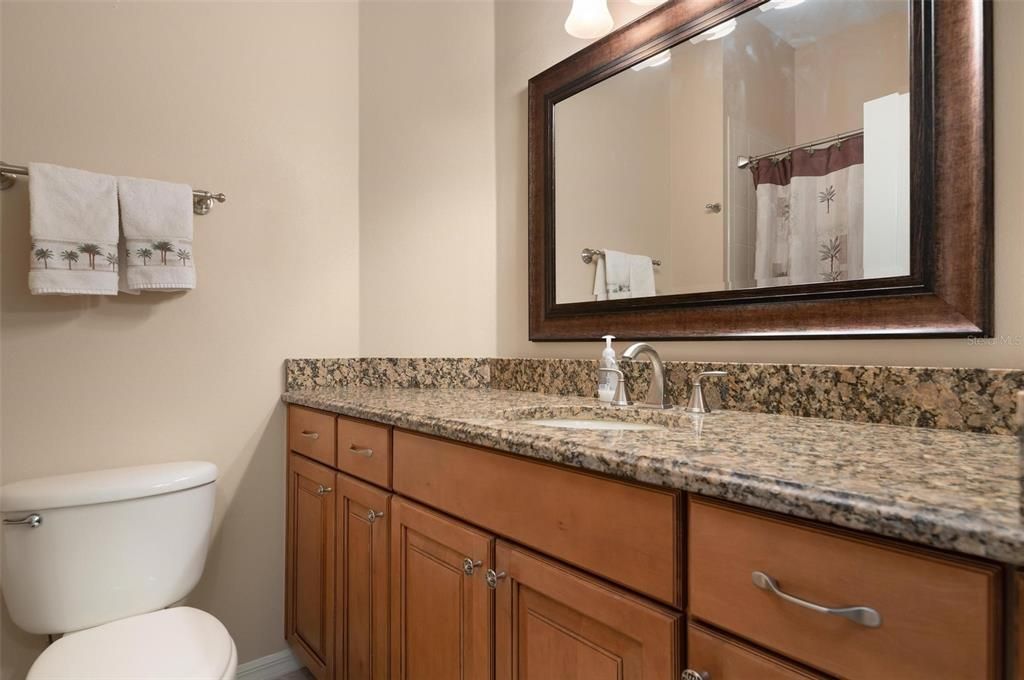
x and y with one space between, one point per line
657 60
589 19
716 33
779 4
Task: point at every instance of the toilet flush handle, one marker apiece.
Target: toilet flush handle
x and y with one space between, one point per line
32 521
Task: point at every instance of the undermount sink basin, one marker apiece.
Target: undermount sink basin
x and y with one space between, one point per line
587 424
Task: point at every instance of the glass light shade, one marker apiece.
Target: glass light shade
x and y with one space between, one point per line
716 33
589 19
647 3
657 60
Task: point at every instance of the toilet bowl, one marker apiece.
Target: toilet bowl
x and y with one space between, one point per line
100 557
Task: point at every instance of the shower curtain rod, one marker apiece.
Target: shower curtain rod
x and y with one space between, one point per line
744 161
202 201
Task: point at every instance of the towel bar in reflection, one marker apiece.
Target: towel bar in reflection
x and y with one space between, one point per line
588 255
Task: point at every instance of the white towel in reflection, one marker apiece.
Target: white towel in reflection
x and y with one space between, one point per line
616 273
641 276
621 275
600 280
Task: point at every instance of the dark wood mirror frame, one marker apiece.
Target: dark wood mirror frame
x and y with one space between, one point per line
950 287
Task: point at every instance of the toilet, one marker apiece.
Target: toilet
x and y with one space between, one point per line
100 558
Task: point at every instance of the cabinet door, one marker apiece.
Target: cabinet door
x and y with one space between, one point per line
362 618
442 610
309 566
553 622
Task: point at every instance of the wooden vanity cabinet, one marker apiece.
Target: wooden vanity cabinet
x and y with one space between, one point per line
362 578
555 622
479 565
442 609
309 564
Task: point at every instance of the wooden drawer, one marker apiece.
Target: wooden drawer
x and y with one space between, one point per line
311 433
364 450
939 615
722 658
627 533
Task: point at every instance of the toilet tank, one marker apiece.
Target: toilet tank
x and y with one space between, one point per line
110 543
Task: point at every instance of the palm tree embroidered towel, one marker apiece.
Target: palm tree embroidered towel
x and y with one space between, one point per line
156 218
74 231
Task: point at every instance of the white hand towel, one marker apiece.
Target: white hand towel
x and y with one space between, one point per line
641 276
156 218
616 271
600 280
74 231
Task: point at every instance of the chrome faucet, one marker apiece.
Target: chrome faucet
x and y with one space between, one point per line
657 395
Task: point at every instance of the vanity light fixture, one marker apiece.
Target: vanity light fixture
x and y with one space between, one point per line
779 4
657 60
716 33
589 19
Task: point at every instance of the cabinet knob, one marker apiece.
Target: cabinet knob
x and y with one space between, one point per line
493 577
695 675
469 566
321 490
372 516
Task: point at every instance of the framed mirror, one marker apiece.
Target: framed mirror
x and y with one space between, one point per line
767 169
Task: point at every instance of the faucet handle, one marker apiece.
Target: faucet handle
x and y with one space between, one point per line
621 397
697 403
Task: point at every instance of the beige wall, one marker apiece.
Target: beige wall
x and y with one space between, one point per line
696 258
837 74
613 176
530 38
256 100
427 192
759 102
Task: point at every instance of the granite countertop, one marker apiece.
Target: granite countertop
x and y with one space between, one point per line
945 489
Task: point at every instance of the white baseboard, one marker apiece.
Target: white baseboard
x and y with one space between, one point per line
269 667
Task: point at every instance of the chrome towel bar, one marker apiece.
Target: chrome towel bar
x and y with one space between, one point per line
202 201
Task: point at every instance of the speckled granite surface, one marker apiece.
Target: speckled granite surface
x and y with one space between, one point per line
967 399
387 372
952 490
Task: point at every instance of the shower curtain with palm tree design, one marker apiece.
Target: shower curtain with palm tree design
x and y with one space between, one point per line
810 215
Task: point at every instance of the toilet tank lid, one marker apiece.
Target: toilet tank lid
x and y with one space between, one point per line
104 486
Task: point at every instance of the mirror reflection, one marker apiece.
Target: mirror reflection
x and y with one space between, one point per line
770 150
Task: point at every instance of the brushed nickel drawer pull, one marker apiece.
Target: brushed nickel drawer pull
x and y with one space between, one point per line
310 435
321 490
865 616
372 516
31 521
365 453
695 675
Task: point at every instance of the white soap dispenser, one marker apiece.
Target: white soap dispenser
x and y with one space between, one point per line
607 382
